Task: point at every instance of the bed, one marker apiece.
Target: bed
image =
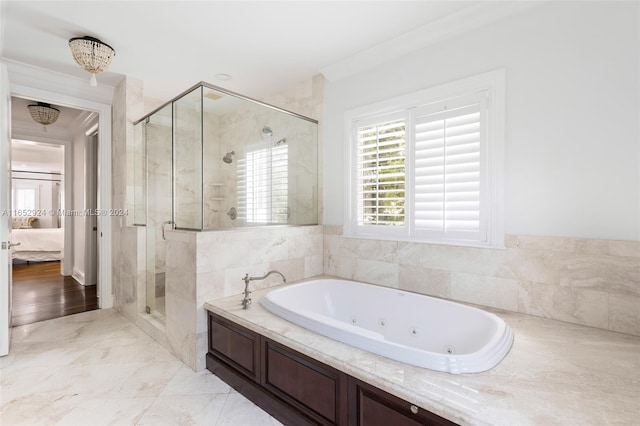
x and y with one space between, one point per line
37 244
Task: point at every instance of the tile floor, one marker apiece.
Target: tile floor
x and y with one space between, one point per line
97 368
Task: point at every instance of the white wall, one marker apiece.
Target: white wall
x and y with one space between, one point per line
572 141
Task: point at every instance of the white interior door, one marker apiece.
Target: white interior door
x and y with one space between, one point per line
5 209
91 200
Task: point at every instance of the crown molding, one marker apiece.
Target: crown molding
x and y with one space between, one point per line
21 74
467 19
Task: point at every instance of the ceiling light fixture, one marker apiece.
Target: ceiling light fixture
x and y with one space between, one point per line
223 77
43 113
92 55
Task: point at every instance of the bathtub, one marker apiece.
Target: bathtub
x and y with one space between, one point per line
415 329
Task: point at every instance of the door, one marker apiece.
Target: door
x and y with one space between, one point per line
5 209
91 200
159 177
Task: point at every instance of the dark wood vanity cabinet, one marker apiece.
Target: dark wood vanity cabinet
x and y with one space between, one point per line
235 345
299 390
314 388
370 406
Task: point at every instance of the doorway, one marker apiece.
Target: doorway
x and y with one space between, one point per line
30 83
54 193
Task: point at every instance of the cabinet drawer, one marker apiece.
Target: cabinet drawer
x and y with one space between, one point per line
370 406
235 345
316 389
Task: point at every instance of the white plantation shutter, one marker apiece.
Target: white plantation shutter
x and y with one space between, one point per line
280 184
428 166
380 187
449 177
263 185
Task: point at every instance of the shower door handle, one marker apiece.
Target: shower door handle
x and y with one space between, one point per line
166 222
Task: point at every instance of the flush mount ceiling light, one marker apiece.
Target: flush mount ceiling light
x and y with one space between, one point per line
223 77
43 113
92 55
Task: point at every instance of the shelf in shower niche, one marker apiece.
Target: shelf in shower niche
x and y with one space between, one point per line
216 199
216 184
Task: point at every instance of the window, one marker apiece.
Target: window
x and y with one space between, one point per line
381 173
428 166
263 181
25 196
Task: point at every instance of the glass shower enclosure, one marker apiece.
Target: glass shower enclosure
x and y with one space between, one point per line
211 159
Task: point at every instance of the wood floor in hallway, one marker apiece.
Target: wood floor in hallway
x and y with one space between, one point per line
40 293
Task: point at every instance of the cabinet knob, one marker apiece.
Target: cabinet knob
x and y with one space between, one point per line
414 409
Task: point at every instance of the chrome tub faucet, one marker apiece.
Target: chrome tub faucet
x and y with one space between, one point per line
246 302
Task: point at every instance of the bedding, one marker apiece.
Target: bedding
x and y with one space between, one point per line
23 222
37 244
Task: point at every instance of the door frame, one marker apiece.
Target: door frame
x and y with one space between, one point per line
6 304
105 288
92 145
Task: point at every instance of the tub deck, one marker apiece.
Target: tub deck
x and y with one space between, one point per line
555 373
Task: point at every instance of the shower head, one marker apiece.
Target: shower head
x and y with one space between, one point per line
266 130
228 158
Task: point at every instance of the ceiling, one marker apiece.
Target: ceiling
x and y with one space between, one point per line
170 45
20 113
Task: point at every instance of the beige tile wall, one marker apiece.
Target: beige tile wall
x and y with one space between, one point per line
582 281
210 265
128 250
127 107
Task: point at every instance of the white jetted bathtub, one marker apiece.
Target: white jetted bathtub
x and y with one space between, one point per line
412 328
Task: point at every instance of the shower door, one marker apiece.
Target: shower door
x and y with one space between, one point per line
159 204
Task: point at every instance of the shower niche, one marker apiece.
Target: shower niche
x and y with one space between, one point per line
211 159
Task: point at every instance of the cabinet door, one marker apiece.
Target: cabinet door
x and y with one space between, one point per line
370 406
235 345
314 388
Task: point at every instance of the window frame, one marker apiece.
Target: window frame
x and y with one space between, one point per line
492 214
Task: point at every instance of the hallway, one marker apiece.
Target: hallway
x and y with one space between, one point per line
41 293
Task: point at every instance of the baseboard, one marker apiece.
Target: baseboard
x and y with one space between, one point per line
78 276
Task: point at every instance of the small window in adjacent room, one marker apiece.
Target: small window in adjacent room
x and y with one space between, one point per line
428 166
25 196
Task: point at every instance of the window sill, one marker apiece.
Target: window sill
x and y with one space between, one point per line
458 243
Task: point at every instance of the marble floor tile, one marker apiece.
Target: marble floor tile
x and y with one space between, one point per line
97 368
97 412
186 382
35 413
240 411
184 410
